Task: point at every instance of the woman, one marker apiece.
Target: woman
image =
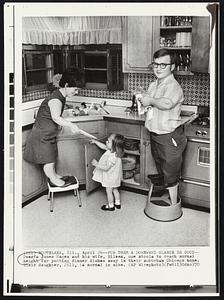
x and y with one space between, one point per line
41 146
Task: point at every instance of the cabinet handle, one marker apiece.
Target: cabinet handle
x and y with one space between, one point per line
146 143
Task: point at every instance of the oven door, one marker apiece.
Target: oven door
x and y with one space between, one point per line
195 175
195 193
196 160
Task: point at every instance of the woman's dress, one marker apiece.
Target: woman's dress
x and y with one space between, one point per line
41 146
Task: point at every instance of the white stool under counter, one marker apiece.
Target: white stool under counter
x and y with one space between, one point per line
56 189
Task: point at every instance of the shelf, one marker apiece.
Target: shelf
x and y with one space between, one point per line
176 27
183 73
95 69
177 48
130 181
171 36
136 152
40 69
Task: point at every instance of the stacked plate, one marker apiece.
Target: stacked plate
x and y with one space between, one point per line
128 166
131 144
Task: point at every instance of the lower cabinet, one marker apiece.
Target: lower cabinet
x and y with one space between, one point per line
144 162
34 180
75 154
71 158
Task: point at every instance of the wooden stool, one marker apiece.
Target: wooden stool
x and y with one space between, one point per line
160 208
55 189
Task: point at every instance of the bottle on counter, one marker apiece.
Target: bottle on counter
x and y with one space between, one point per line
134 106
162 21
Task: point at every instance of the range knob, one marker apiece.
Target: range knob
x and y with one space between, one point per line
198 132
204 133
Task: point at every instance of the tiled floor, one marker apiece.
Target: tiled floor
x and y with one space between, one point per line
86 226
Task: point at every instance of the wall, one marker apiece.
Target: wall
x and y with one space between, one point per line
196 89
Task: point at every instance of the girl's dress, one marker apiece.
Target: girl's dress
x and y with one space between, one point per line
112 177
41 146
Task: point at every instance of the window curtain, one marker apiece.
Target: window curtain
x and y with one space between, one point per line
72 30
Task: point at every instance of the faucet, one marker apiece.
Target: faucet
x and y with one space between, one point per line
101 107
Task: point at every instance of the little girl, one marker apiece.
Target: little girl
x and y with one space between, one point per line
108 169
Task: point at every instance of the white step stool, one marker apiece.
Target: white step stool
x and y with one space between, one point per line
55 189
160 208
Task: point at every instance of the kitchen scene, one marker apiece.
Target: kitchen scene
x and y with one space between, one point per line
115 57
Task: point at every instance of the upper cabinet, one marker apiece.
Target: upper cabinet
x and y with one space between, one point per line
140 40
200 44
188 36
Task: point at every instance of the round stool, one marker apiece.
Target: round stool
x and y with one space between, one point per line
160 208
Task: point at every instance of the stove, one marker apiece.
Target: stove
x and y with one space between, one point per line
202 120
200 127
195 175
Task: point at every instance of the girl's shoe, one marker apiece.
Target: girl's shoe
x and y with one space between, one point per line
105 207
118 206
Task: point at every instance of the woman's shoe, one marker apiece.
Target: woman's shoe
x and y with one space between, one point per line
105 207
118 206
60 186
69 179
65 178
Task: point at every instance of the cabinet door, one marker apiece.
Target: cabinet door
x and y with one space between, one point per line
34 180
141 39
71 158
200 44
149 163
91 152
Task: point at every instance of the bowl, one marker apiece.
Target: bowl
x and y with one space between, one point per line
128 174
128 163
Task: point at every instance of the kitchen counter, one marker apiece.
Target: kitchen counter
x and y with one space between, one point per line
133 118
115 107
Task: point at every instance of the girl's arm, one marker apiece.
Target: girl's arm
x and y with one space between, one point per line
55 109
99 144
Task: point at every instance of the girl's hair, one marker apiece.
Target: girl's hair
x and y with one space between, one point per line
118 144
73 77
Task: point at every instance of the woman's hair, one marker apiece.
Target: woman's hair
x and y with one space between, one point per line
164 52
74 77
118 144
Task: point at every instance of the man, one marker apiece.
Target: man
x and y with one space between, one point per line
168 141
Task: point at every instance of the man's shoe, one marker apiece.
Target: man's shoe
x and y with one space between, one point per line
156 179
118 206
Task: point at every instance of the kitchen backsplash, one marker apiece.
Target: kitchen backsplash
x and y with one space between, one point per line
196 89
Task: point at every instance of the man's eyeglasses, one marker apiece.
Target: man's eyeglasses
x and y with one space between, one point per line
162 66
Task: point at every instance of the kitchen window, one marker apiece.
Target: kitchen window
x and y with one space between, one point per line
101 65
37 68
